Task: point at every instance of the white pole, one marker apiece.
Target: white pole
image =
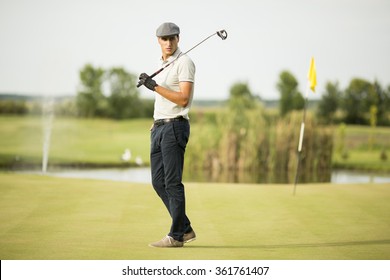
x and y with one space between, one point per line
303 119
301 137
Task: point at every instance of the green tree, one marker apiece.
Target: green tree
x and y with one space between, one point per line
290 97
241 100
124 99
373 122
383 105
241 133
359 97
329 103
17 107
241 97
90 99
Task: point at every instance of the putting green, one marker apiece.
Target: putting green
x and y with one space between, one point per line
44 217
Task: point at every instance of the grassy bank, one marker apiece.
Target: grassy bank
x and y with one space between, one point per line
52 218
93 142
100 142
362 148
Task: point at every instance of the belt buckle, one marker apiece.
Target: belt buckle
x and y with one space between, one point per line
164 121
158 122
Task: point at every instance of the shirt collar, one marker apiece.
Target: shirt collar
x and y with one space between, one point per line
172 57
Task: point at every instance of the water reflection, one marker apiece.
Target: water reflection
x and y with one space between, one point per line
136 175
336 177
256 177
343 176
142 175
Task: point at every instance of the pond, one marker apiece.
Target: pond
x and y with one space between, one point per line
142 175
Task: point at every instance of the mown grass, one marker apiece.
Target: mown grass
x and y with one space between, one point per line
73 141
44 217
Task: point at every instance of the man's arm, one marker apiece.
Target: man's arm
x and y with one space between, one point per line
181 97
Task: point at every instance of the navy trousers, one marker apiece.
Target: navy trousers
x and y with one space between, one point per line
168 144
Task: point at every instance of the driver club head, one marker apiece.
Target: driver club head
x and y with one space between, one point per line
222 34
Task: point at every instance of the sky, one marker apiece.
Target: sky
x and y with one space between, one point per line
45 43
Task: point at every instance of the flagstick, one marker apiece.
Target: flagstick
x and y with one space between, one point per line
301 137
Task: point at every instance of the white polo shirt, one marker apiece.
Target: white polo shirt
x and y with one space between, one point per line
182 70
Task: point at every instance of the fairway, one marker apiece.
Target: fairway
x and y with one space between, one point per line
54 218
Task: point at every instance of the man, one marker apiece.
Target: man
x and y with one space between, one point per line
174 89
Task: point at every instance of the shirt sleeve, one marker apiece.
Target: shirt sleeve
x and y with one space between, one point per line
186 70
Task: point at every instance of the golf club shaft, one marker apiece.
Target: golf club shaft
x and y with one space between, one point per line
222 34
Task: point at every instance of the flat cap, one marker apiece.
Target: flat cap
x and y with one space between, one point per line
167 29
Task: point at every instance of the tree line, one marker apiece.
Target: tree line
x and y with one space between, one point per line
112 93
103 93
361 102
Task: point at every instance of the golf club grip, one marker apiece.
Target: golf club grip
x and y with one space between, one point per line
152 76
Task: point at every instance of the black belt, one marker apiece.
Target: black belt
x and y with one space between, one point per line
164 121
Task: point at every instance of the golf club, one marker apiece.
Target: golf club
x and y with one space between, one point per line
222 34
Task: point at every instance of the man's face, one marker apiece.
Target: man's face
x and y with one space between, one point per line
168 45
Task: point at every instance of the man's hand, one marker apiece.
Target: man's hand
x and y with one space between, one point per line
148 82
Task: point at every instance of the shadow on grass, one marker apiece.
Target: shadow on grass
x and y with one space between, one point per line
302 245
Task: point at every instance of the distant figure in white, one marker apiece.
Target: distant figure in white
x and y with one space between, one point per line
139 161
126 156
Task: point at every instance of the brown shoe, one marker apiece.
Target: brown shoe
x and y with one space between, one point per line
189 237
167 242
